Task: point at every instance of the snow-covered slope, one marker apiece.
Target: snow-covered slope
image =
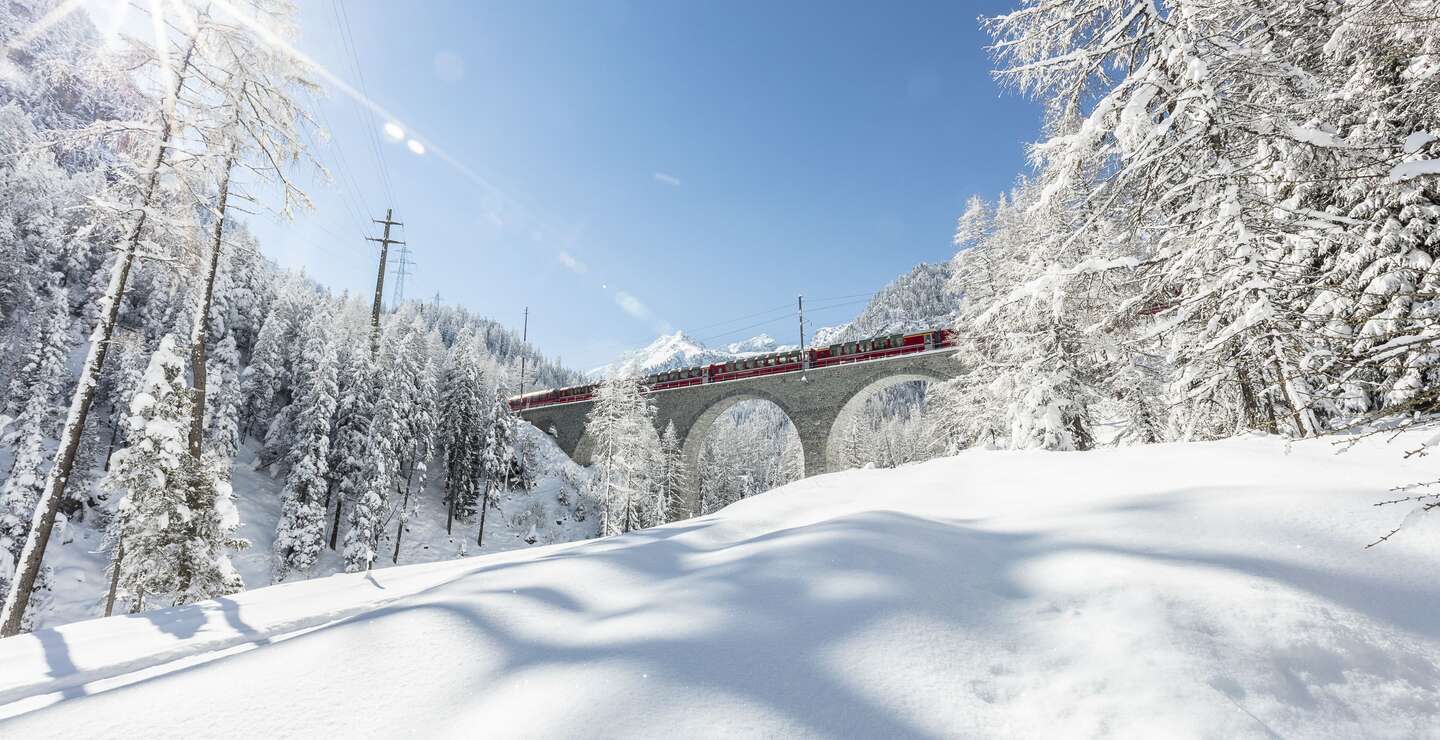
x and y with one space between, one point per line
1186 590
680 350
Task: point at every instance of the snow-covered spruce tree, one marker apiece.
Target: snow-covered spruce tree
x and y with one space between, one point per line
170 532
118 383
672 502
300 533
40 381
410 384
463 411
265 383
222 407
350 441
621 427
396 383
1379 277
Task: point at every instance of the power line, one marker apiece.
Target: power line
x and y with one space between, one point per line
350 191
786 317
347 35
784 307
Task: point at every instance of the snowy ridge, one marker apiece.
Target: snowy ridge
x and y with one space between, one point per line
1207 590
921 299
680 350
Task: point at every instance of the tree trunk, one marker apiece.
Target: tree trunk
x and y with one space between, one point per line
484 504
114 578
109 451
400 529
200 332
335 528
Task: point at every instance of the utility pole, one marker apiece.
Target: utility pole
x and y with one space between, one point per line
385 242
524 337
804 363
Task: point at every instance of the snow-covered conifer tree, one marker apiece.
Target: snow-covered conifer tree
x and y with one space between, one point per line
300 533
350 443
672 501
40 382
170 533
620 424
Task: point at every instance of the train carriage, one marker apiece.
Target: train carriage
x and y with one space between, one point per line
873 348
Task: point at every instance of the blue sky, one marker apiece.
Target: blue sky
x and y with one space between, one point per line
626 168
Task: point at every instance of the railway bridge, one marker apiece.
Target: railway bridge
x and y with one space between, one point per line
821 402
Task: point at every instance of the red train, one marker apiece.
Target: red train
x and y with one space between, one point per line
779 362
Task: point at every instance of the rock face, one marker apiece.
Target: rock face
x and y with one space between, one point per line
820 402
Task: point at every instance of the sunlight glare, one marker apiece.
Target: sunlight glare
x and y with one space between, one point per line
415 146
393 130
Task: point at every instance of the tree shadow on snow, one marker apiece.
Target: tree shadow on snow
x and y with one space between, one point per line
772 612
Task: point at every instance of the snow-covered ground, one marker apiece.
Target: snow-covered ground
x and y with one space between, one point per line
1184 590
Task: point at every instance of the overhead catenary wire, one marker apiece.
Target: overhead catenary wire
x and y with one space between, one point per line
784 307
788 313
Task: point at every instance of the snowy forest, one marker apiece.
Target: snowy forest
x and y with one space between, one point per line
133 296
1228 227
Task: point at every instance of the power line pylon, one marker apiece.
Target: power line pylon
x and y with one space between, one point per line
403 263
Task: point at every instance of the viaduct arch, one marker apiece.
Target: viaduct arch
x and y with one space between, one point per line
821 402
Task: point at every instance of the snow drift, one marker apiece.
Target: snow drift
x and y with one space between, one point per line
1215 590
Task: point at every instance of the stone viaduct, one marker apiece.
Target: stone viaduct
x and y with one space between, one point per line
821 403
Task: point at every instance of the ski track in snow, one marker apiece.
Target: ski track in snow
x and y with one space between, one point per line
1185 590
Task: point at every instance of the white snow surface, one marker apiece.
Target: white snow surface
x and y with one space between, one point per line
1411 170
1183 590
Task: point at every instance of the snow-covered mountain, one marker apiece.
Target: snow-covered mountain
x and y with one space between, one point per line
680 350
1178 590
920 299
